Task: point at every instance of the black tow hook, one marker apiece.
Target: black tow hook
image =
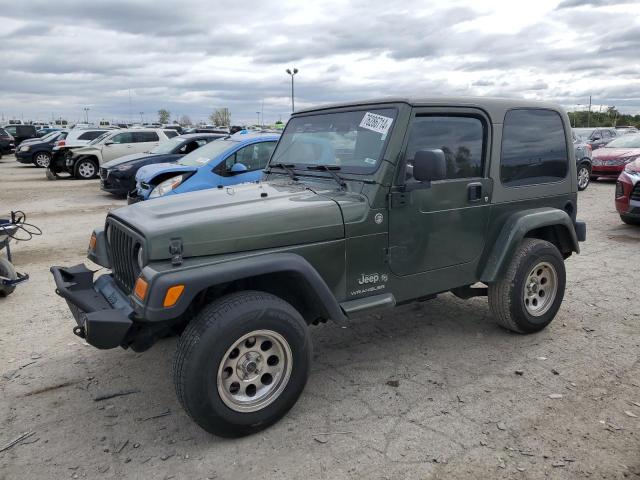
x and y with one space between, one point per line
79 331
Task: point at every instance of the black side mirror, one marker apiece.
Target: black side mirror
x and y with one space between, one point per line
429 165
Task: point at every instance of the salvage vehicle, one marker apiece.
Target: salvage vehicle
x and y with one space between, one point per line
38 151
7 143
21 132
610 160
84 162
628 193
118 176
231 160
62 150
363 206
583 156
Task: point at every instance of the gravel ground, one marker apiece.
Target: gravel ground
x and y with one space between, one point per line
427 391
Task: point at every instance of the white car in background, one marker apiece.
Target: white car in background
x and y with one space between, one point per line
84 162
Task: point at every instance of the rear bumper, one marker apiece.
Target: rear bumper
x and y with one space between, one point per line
102 312
581 230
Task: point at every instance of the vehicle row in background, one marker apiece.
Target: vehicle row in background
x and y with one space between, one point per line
610 160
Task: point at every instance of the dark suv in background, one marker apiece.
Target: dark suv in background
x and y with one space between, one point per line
596 137
21 132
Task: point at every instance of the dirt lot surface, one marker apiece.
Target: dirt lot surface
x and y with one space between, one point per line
427 391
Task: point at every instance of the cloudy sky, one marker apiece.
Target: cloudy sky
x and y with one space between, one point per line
191 57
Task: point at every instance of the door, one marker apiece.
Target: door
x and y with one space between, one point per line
442 223
117 146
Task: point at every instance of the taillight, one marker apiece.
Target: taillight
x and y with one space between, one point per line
60 143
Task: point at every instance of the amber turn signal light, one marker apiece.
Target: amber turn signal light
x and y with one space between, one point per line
140 290
173 295
92 242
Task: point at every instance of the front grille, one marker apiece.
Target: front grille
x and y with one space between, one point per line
635 193
123 247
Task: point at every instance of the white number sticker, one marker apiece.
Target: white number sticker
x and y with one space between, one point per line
376 123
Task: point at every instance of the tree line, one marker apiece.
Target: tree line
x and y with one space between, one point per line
220 117
610 118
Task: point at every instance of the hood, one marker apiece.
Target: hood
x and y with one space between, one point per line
611 153
30 141
148 172
251 216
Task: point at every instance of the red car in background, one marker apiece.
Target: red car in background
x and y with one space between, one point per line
628 193
611 159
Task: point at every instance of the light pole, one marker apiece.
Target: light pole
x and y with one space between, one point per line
141 119
86 114
292 73
258 113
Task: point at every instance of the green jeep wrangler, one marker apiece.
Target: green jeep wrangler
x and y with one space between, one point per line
363 206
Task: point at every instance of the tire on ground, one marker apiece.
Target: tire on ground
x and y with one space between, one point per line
7 270
204 344
507 295
82 166
587 179
630 220
42 159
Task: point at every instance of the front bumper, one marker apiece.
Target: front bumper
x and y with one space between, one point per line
102 312
24 157
601 169
113 182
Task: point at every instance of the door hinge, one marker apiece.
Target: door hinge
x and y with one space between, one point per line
175 249
398 199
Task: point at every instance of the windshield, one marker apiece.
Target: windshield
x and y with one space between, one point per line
627 141
50 136
352 140
99 139
167 146
208 152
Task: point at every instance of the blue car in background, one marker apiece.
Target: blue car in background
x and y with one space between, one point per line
234 159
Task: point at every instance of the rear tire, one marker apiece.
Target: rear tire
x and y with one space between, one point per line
630 220
230 386
529 294
85 169
7 270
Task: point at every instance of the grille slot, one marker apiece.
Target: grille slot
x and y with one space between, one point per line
122 254
635 193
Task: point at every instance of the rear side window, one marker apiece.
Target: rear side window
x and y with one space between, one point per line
534 148
90 135
170 133
126 137
141 137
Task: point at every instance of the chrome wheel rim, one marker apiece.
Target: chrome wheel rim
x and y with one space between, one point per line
254 371
583 177
42 160
540 289
86 170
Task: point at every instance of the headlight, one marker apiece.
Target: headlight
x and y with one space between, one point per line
165 187
124 168
25 149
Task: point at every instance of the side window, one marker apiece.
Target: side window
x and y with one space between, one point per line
254 157
90 135
460 138
142 137
170 133
11 130
126 137
191 146
534 148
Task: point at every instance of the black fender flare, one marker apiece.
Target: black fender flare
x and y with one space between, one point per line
197 278
515 229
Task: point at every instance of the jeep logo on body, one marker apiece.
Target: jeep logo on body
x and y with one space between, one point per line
370 278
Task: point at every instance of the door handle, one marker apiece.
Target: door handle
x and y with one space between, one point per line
474 192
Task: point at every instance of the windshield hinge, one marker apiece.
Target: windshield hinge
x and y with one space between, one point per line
397 199
175 249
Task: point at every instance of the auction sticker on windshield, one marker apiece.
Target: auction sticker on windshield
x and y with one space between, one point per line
376 123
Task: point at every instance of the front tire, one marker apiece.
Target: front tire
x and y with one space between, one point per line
242 363
7 270
584 176
85 169
529 294
630 220
42 159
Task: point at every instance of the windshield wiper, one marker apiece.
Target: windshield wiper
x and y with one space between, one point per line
331 170
287 167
